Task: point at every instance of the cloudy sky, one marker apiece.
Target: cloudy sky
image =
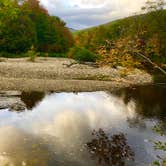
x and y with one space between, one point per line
80 14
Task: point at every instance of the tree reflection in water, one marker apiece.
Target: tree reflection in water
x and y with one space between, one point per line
149 100
110 151
32 98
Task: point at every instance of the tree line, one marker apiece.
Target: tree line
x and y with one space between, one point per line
26 24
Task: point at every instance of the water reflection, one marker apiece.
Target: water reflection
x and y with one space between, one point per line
150 100
21 148
137 122
31 99
57 129
110 151
19 102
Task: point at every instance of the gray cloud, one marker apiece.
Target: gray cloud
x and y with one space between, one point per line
81 14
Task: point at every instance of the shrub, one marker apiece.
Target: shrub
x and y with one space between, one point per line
32 54
82 54
57 55
54 55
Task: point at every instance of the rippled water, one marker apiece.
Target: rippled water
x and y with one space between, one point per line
55 128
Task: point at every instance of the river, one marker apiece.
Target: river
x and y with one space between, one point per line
84 129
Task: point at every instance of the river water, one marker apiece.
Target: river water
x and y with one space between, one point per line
84 129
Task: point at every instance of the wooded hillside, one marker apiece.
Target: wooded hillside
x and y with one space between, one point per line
119 42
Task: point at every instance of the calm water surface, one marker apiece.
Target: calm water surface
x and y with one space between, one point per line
55 128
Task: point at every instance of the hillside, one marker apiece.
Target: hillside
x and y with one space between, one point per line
146 32
72 30
129 26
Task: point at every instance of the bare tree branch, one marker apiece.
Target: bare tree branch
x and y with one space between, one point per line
149 60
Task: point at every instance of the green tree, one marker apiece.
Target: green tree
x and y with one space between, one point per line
17 32
157 21
52 35
26 23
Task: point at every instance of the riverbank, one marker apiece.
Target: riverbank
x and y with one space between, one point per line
62 74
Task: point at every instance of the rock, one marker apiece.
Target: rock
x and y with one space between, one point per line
18 107
2 107
6 102
11 101
139 77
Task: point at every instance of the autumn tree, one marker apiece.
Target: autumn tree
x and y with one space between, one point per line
157 15
26 23
17 32
52 35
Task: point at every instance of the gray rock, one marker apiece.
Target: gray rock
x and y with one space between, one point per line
11 102
18 107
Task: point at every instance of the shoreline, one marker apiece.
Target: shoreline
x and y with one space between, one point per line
15 84
54 74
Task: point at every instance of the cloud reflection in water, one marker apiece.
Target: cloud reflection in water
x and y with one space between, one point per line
60 125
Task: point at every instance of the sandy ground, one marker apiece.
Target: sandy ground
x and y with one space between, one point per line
61 74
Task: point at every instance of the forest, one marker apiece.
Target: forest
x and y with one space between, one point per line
26 25
27 29
121 42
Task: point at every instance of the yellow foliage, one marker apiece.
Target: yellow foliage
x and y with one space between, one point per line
118 54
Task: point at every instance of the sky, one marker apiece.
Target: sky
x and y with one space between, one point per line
81 14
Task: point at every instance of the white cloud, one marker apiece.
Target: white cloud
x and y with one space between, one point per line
86 13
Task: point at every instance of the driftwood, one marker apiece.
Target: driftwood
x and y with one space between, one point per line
152 63
71 64
92 64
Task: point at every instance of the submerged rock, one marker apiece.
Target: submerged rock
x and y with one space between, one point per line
18 107
11 100
6 102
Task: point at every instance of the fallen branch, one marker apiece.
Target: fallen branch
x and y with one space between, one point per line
155 65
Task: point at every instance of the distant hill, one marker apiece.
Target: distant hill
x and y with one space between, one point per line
151 23
113 42
72 30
